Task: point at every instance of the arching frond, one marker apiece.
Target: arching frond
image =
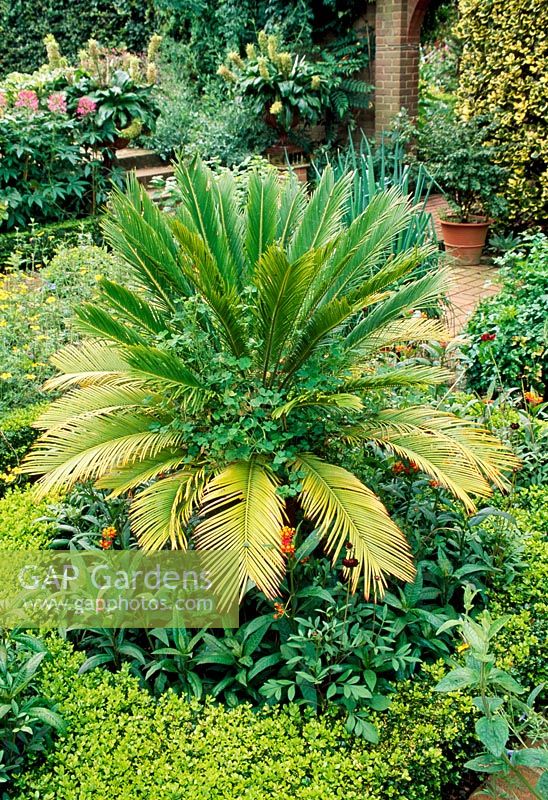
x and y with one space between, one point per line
96 400
399 375
92 320
342 401
161 512
87 448
86 363
243 513
130 476
344 510
292 206
134 308
464 458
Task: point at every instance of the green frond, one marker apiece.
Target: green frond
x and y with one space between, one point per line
262 212
408 375
344 510
342 401
292 205
92 320
200 200
149 363
281 289
223 299
243 513
138 232
160 513
134 308
322 217
232 223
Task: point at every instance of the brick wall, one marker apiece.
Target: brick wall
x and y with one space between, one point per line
397 37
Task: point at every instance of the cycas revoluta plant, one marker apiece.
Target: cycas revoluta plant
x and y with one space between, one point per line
250 340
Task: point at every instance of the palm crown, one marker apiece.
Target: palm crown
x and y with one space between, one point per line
250 339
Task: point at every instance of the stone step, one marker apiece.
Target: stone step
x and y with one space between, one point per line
138 158
146 174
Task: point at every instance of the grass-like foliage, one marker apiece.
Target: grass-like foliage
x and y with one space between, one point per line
249 339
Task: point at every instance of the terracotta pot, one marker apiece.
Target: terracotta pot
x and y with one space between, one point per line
465 240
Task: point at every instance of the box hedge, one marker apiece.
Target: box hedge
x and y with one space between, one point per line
503 73
121 743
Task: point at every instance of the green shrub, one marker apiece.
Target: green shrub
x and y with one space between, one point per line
24 23
35 318
508 344
16 436
36 245
21 527
123 744
505 47
522 643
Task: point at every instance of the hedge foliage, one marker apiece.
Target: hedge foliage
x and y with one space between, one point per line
16 436
35 246
503 72
24 23
123 744
21 524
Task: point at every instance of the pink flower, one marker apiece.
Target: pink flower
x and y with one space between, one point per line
27 98
85 106
3 100
57 103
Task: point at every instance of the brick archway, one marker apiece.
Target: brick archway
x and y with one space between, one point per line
397 36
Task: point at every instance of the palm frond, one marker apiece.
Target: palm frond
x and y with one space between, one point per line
88 362
138 232
262 212
232 224
130 476
322 217
161 512
292 205
88 448
410 329
342 401
344 510
134 308
404 375
96 400
464 458
243 513
95 321
281 288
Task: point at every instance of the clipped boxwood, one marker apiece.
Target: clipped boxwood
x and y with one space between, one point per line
123 744
21 527
35 246
502 71
16 436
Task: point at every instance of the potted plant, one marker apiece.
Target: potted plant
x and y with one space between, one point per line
459 155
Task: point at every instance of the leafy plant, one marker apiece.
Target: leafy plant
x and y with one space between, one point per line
254 345
508 332
27 719
460 157
507 725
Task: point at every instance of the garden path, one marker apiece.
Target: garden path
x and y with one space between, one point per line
469 284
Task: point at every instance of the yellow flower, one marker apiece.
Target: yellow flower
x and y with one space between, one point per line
462 647
276 108
99 277
30 376
50 300
3 323
250 51
263 68
5 376
234 58
315 82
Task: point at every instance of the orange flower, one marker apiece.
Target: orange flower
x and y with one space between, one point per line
279 610
533 398
288 543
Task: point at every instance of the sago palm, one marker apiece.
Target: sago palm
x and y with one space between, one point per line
252 337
